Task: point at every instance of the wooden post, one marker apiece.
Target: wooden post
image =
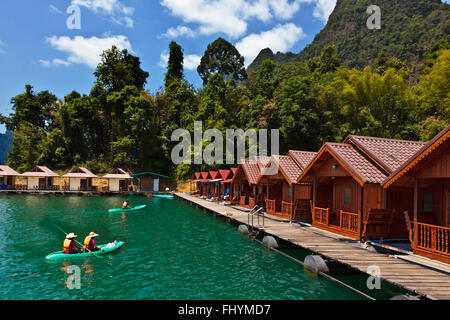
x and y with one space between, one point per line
361 211
416 206
314 191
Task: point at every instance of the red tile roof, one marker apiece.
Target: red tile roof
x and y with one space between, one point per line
233 170
388 153
357 163
197 175
419 156
205 175
225 174
302 158
288 167
214 175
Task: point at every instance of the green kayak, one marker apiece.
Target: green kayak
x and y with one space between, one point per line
107 249
165 196
127 210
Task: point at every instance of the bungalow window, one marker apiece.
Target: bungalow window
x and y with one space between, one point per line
290 193
347 198
428 205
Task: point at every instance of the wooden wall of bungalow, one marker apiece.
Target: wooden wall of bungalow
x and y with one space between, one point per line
284 197
420 189
346 189
203 186
214 185
241 187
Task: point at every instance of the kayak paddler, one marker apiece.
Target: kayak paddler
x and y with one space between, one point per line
126 205
89 243
69 245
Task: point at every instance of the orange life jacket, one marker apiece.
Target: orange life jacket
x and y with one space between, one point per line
88 244
124 205
66 246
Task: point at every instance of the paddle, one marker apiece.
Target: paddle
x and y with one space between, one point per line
78 242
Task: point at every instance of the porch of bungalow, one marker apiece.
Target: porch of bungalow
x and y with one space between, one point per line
243 193
425 184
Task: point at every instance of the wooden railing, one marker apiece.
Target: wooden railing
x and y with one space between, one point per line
270 206
242 201
321 215
432 238
251 202
287 209
350 221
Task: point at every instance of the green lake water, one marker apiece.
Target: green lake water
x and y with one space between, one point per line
172 251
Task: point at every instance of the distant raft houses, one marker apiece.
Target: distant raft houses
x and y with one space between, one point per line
365 188
79 180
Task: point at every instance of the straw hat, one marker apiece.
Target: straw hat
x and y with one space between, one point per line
71 236
93 234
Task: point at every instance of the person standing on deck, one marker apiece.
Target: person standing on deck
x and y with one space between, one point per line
69 245
89 243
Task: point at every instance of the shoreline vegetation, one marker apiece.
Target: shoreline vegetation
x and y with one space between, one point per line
120 124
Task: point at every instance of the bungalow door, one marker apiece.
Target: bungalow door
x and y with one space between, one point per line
83 184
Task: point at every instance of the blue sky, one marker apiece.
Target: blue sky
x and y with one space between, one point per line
37 47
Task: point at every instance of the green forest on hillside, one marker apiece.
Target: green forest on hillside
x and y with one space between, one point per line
408 29
119 124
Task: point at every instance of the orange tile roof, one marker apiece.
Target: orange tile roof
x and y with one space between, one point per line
302 158
289 168
388 153
419 156
367 171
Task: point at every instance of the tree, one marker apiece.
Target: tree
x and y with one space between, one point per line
223 58
175 64
266 79
298 117
434 97
119 69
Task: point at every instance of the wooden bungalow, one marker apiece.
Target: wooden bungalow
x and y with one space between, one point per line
7 177
245 186
148 182
348 196
40 178
205 177
225 184
194 184
214 184
80 179
284 197
424 180
118 180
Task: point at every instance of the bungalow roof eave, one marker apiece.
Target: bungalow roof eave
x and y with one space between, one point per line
348 167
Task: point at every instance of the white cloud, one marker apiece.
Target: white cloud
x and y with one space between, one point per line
324 8
230 17
119 13
180 31
54 9
84 50
281 38
191 61
54 62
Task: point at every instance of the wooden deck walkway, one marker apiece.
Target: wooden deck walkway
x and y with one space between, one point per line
410 276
